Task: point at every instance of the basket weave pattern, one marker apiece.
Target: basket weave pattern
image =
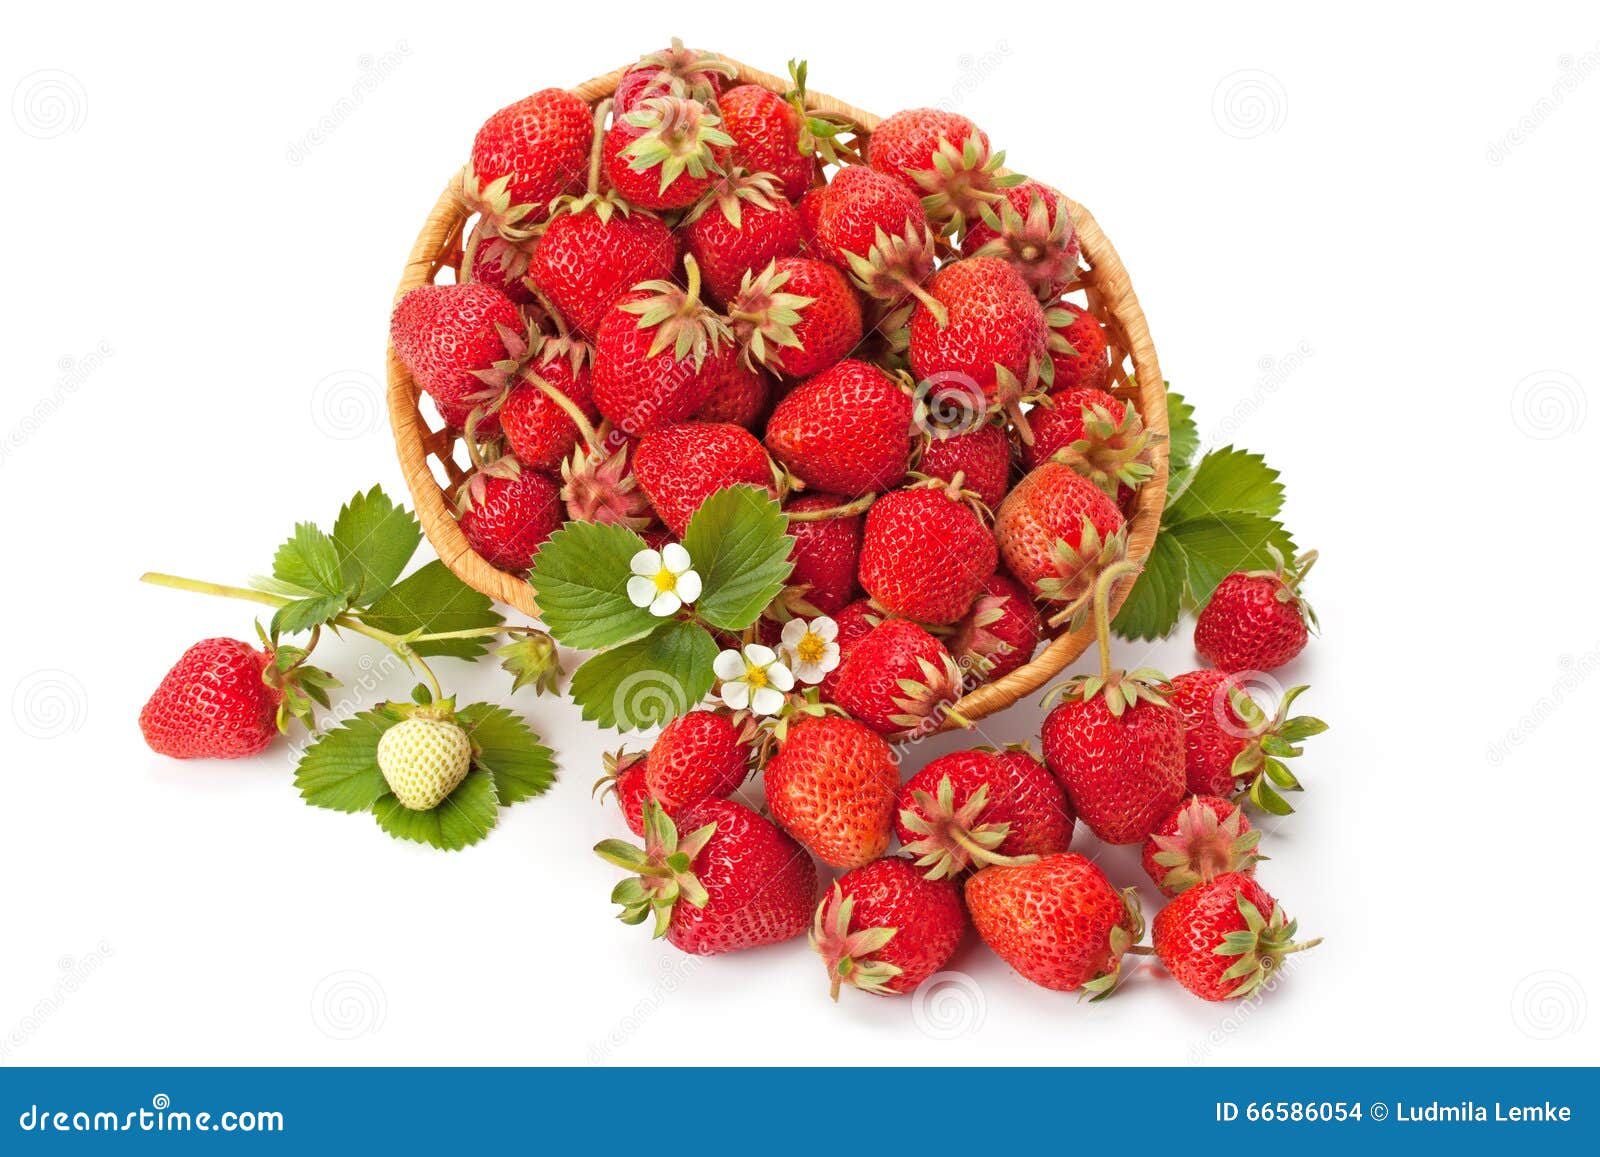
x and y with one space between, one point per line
428 455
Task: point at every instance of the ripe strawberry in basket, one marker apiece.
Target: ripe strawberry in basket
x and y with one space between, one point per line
681 466
674 71
1078 354
981 454
740 225
593 251
944 158
925 552
665 152
525 156
507 512
740 396
1000 632
827 551
1098 435
873 228
773 133
539 425
1057 531
659 355
846 431
898 678
450 336
1031 229
797 316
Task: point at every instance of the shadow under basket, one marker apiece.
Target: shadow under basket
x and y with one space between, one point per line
434 461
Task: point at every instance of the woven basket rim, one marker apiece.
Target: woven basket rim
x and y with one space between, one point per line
1111 298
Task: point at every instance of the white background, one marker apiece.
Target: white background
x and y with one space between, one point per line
1366 244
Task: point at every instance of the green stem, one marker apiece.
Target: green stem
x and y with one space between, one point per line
568 407
844 511
601 111
1102 609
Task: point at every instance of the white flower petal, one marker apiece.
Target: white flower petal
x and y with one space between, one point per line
780 676
736 694
689 586
793 631
808 672
641 591
666 604
675 558
758 655
766 701
647 562
728 665
825 627
830 659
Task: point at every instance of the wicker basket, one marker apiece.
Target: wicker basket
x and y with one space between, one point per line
1110 297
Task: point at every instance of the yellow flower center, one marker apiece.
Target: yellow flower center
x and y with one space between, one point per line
755 676
811 647
665 580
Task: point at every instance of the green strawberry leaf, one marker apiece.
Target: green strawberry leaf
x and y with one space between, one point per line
740 545
648 681
1183 436
304 614
309 563
340 770
374 539
1217 545
462 818
1229 480
580 578
507 748
431 600
1151 608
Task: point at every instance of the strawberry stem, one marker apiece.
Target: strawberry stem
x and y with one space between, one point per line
569 407
1102 609
601 111
844 511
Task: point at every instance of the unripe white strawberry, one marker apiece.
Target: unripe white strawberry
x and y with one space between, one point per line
424 760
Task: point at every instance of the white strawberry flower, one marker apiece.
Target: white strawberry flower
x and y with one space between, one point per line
811 649
663 580
755 678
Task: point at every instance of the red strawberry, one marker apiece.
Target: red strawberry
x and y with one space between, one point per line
1030 227
766 131
665 152
541 431
797 316
215 703
825 555
1000 632
982 455
733 881
659 355
449 335
599 486
528 154
990 336
681 466
507 512
1113 742
943 157
740 225
1078 355
979 807
832 787
925 552
885 928
1256 620
855 622
1057 921
740 395
874 228
492 260
1222 939
1096 434
1230 744
698 756
898 678
674 71
593 251
846 431
1056 531
625 779
1205 837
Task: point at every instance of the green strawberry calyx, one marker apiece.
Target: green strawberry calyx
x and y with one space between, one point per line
1259 769
663 869
680 320
951 838
848 954
1078 569
1204 848
1121 689
1121 941
1260 946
